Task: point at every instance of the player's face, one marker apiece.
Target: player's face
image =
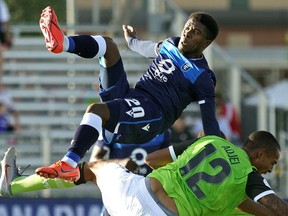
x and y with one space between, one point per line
265 161
193 39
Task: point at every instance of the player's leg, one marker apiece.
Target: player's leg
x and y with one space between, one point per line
118 117
113 82
97 115
12 183
22 184
85 136
85 46
34 182
87 133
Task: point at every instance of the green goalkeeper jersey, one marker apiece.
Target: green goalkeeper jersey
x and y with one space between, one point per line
208 178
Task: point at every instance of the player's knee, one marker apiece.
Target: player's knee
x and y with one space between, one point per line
100 109
112 54
109 41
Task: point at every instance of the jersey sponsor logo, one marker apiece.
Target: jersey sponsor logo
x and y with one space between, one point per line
185 67
159 69
146 127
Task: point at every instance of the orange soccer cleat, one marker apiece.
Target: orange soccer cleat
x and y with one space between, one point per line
59 169
51 30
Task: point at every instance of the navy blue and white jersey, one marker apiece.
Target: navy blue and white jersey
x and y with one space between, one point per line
137 152
174 81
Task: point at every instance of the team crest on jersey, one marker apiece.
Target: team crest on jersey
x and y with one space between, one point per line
186 66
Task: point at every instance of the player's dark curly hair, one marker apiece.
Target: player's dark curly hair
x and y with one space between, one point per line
209 22
262 139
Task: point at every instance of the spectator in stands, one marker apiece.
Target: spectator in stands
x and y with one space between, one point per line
228 114
7 109
5 36
178 76
223 124
228 119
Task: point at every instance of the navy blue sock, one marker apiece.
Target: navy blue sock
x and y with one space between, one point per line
84 137
84 46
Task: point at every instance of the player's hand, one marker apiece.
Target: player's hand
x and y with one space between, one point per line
128 32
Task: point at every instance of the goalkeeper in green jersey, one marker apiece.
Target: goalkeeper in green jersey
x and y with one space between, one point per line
205 176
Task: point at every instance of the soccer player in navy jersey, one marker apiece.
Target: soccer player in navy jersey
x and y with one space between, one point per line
178 75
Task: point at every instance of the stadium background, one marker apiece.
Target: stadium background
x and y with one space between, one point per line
52 91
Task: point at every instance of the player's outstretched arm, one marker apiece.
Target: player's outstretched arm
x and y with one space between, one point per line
158 158
148 49
167 155
12 183
278 206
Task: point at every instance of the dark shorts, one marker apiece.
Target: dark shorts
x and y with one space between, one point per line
134 117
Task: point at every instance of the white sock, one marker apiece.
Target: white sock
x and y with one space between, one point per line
101 44
65 43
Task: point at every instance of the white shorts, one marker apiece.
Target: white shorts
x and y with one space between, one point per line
125 193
